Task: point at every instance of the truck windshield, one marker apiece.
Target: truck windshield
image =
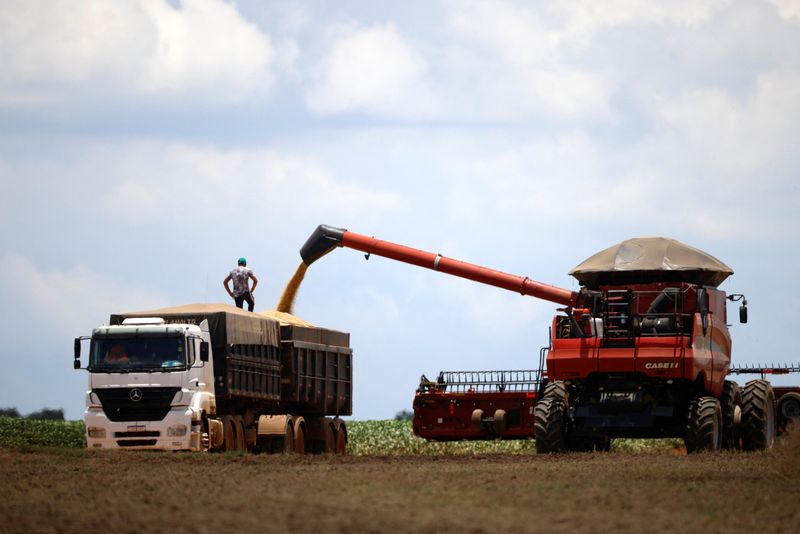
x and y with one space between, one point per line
138 354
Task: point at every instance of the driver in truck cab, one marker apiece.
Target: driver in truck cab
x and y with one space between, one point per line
116 355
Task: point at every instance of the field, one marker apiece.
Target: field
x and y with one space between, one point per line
69 489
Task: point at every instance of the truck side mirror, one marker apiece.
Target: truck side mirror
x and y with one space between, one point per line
204 351
76 364
77 348
743 313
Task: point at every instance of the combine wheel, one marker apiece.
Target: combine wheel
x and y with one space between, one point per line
499 422
477 419
758 416
789 408
549 416
229 434
731 403
703 425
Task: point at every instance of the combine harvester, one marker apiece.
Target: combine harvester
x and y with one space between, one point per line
641 351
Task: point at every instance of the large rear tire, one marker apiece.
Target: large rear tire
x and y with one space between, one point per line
731 404
758 416
703 425
549 419
789 409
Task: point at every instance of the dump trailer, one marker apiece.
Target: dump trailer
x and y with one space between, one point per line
642 350
211 377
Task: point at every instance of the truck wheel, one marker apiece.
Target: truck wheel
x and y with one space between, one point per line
731 404
229 434
758 416
238 425
499 422
330 439
299 435
341 439
789 408
703 425
549 419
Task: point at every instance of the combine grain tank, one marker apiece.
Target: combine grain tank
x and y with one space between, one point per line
642 350
214 377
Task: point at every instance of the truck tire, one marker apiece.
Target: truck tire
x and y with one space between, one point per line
229 433
299 435
789 408
703 425
238 425
549 419
341 438
499 422
758 416
731 404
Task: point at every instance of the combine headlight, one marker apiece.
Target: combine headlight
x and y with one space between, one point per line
176 431
96 432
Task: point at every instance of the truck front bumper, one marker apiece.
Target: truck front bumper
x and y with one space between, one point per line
174 432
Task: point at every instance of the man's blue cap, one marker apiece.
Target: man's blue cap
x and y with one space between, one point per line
242 261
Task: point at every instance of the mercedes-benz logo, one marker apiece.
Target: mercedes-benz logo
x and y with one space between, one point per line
136 394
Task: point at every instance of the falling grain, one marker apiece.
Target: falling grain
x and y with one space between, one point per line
286 302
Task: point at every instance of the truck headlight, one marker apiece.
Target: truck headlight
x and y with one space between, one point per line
96 432
176 431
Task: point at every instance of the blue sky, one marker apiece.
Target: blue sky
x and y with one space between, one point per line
145 145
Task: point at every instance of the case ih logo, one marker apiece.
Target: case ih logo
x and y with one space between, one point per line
661 365
136 395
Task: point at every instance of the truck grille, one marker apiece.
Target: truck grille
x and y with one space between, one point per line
153 404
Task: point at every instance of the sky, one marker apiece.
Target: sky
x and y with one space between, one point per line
146 144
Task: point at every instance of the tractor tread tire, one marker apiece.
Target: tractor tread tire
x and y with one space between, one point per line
549 419
703 425
731 400
758 415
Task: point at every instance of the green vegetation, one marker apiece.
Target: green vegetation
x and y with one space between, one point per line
366 438
21 433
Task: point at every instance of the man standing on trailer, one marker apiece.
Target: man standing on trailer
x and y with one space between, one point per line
241 286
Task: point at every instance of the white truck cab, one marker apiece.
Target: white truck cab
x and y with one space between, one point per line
151 385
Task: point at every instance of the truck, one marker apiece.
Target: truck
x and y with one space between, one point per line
641 350
211 377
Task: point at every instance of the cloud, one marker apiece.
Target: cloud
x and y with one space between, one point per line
199 183
65 299
200 50
373 70
787 9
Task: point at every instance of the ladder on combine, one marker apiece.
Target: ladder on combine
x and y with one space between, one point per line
618 324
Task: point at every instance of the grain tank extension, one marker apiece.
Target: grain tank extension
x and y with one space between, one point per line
642 350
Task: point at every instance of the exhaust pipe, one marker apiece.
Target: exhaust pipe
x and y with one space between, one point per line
324 239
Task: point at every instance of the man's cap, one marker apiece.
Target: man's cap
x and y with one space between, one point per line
242 261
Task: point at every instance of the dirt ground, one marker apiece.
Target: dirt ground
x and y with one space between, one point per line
90 491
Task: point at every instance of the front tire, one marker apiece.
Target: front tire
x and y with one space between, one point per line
703 425
549 419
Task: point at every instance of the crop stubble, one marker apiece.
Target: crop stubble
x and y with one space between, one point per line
79 490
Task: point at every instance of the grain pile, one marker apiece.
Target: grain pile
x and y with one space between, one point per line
286 303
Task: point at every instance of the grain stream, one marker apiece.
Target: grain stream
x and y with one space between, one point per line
286 303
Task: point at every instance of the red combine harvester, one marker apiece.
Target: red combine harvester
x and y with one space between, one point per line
641 351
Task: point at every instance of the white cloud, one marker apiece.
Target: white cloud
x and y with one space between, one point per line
65 299
187 182
373 70
203 49
788 9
